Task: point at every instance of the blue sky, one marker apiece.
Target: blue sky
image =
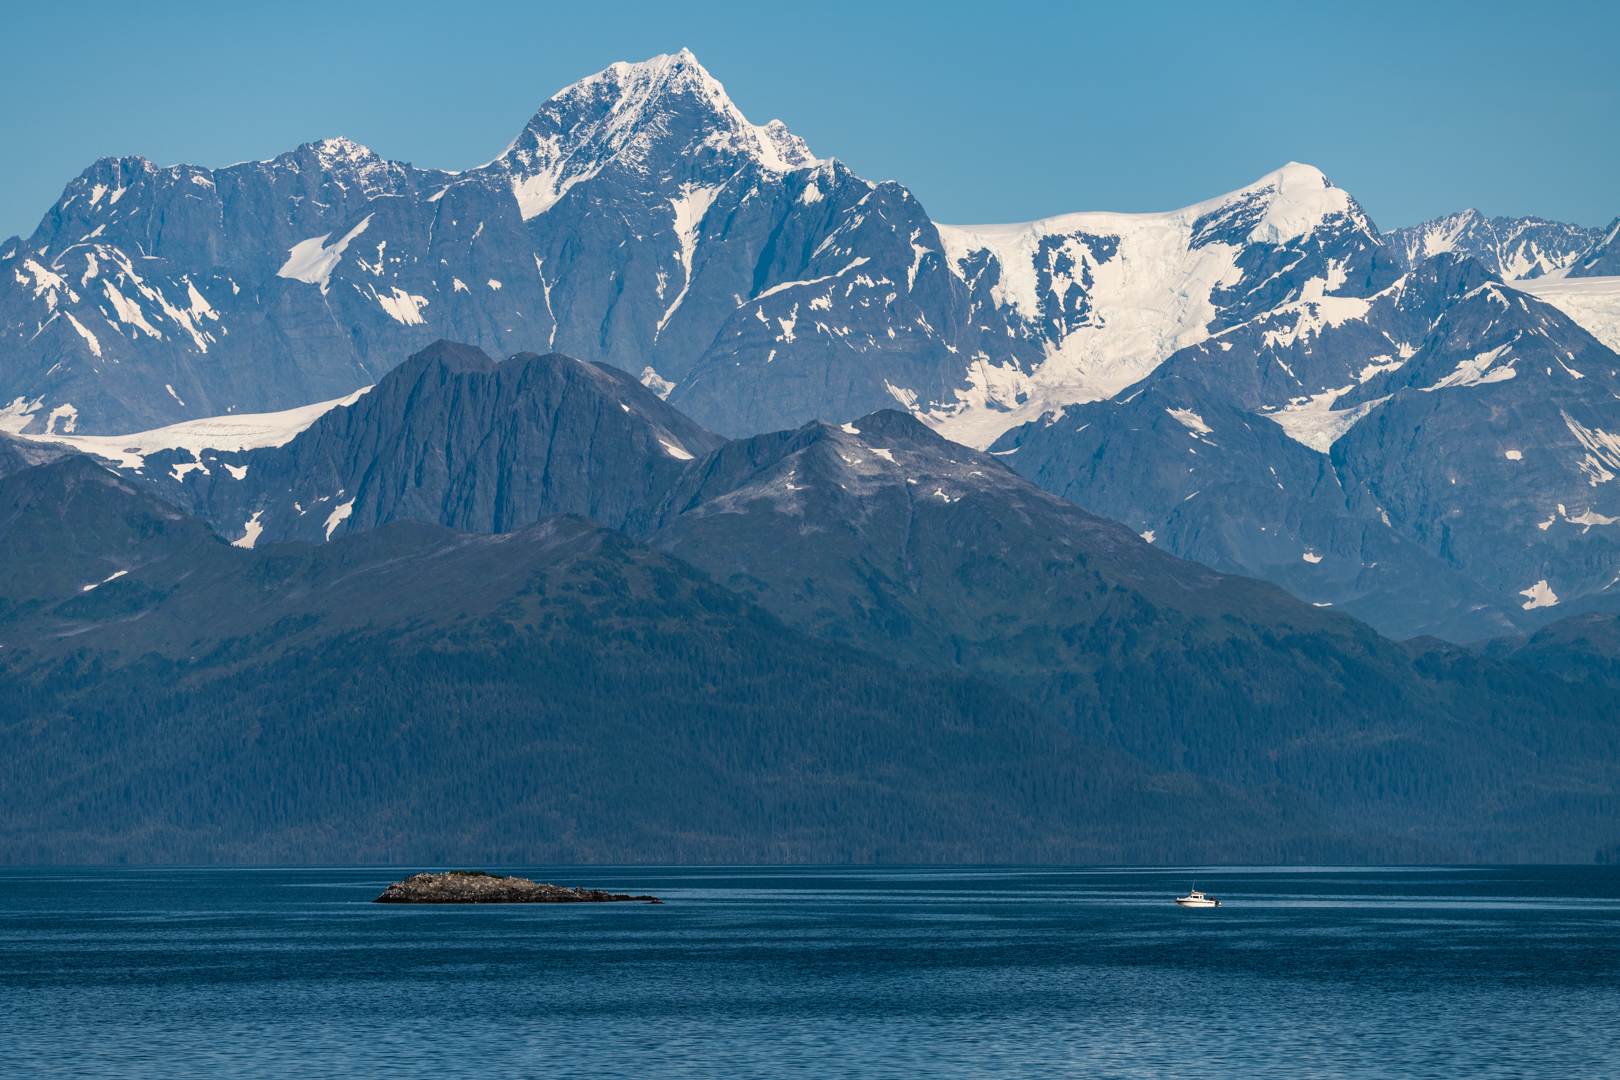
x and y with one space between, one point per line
1001 112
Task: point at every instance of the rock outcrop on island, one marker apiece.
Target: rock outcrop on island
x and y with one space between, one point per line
478 887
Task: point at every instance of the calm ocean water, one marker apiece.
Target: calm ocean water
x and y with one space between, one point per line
745 972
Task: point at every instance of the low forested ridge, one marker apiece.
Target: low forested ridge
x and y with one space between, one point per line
615 706
566 693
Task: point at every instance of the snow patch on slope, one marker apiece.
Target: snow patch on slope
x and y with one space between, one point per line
89 339
402 307
312 262
338 516
1479 370
1191 421
690 208
1540 596
1602 460
250 532
19 414
1317 424
1592 303
243 431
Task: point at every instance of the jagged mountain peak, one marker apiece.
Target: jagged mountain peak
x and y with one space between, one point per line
1516 248
102 185
341 149
348 162
1441 235
101 195
624 114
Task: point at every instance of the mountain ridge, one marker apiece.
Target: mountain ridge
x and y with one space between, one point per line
756 287
559 693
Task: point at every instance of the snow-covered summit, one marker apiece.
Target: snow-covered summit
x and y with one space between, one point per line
664 109
1281 206
1110 295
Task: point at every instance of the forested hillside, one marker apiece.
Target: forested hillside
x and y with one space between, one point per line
564 692
558 694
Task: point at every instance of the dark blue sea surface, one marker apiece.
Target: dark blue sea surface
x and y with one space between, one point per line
823 972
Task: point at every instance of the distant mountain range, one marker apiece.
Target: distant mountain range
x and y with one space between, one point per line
640 220
658 387
1513 248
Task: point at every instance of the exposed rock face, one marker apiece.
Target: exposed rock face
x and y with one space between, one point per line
477 887
1604 258
1527 247
19 454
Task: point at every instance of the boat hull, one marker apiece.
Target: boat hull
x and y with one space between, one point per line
1197 903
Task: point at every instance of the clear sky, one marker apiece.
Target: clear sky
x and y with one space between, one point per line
989 112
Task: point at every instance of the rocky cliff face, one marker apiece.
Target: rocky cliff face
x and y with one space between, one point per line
1528 247
1603 260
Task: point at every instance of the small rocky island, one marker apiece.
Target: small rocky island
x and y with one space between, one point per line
477 887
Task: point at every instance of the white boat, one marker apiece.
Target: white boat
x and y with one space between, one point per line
1197 899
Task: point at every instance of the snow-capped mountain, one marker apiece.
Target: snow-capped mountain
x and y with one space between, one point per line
154 295
639 219
1573 268
1258 354
1431 458
1108 297
634 116
1512 247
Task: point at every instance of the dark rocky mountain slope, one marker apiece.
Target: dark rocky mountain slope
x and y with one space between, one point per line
453 438
1582 648
883 534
